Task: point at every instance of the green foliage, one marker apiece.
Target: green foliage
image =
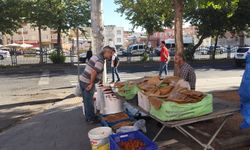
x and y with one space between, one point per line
145 57
152 15
57 59
11 15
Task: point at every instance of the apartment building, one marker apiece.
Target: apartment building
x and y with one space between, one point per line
113 36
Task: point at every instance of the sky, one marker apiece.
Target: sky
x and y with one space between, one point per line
111 17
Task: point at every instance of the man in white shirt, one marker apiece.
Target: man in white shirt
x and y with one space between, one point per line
114 65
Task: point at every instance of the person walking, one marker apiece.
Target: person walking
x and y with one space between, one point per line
185 71
164 59
89 54
114 65
93 74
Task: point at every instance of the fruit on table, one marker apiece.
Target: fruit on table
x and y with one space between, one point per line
131 144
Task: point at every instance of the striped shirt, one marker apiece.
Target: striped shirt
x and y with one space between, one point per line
95 63
187 73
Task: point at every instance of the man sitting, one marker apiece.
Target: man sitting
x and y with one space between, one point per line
185 71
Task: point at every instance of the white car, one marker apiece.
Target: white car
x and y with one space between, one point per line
135 49
240 55
4 54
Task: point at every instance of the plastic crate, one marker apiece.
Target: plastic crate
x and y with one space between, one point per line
106 123
116 138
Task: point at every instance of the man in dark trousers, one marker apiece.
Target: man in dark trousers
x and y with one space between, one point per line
93 74
89 54
114 65
164 58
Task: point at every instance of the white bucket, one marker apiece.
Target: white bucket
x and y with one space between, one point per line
99 138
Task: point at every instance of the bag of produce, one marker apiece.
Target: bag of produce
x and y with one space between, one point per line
170 110
128 91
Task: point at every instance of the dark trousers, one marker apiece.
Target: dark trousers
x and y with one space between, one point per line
115 72
163 67
88 102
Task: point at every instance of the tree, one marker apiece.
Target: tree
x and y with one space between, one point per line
97 27
152 15
178 6
11 15
211 19
68 14
38 14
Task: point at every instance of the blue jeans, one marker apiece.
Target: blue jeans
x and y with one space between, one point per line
115 72
88 102
163 67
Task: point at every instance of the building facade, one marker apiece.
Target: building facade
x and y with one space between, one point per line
113 36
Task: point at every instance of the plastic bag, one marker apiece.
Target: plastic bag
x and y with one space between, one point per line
77 91
244 93
173 111
138 125
129 91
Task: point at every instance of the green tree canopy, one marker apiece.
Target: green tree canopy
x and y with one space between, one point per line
11 15
152 15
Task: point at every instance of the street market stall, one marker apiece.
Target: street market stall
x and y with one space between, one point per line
169 101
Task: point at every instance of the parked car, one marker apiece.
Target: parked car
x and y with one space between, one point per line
120 51
219 50
240 55
4 54
135 49
203 50
83 57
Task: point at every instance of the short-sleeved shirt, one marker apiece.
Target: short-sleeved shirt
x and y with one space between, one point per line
187 73
164 50
96 63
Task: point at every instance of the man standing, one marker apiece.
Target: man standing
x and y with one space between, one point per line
185 71
114 65
91 75
89 54
164 58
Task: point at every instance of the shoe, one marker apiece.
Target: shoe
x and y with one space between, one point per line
111 82
118 81
95 121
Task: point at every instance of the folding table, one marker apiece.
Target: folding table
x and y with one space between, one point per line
221 109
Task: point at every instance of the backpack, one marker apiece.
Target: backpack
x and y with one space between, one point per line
116 61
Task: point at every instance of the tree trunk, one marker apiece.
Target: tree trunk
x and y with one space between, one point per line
40 44
178 8
215 45
242 39
198 44
59 46
97 26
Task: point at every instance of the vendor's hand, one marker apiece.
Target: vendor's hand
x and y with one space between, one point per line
89 87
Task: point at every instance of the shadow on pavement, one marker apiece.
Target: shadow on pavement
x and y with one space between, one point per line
62 128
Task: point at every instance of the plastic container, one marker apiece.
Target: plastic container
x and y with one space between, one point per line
119 137
143 102
99 138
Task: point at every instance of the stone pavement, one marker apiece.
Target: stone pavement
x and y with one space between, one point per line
62 127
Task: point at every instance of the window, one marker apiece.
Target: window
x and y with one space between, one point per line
118 32
118 40
141 47
135 47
